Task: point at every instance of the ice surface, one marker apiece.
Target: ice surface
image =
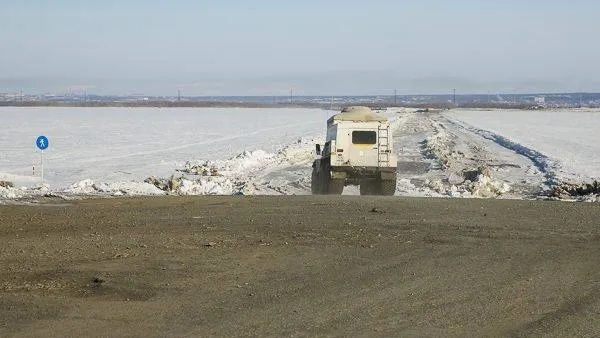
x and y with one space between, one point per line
130 144
570 139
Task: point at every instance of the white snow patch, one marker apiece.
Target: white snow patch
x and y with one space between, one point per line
285 171
242 164
10 193
207 186
486 187
89 187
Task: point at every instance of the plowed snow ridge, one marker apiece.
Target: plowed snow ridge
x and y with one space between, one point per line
542 162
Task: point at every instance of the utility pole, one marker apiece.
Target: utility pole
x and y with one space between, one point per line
395 96
291 96
454 96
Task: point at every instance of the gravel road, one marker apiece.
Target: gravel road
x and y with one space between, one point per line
299 266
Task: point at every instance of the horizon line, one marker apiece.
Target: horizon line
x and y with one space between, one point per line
82 94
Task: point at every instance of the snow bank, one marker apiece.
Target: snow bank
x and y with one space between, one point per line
461 180
11 193
482 185
247 173
485 186
245 163
588 192
180 185
89 187
437 146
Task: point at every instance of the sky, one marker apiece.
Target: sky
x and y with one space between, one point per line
268 47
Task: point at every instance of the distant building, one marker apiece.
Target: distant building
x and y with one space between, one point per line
540 100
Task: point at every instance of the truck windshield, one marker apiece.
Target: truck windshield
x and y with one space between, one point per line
364 137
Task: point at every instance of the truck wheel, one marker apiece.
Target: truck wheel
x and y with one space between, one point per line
387 187
336 187
314 182
325 180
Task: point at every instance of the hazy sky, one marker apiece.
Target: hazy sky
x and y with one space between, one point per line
315 47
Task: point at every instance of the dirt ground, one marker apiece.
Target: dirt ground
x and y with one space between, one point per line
299 266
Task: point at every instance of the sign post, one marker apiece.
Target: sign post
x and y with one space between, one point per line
42 144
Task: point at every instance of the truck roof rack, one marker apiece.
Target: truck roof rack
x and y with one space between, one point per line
357 113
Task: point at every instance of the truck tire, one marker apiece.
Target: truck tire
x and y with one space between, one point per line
314 182
336 187
325 180
387 187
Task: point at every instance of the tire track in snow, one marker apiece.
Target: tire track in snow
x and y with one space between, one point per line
542 162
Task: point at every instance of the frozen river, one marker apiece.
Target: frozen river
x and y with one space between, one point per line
116 144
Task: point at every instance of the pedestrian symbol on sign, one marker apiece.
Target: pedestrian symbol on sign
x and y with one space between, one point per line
42 142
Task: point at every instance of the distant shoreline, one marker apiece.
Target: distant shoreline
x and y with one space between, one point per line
160 104
249 104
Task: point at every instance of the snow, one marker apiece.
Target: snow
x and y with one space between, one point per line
224 151
567 140
10 193
286 171
130 144
89 187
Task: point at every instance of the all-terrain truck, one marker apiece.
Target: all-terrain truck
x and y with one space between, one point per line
358 150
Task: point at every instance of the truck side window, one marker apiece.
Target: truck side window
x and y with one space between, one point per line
364 137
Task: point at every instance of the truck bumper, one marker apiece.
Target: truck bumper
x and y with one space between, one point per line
354 174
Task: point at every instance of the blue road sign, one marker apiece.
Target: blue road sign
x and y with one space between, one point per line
42 142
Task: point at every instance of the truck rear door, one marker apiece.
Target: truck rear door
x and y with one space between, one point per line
363 150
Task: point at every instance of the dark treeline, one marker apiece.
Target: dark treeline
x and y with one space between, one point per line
243 104
153 103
